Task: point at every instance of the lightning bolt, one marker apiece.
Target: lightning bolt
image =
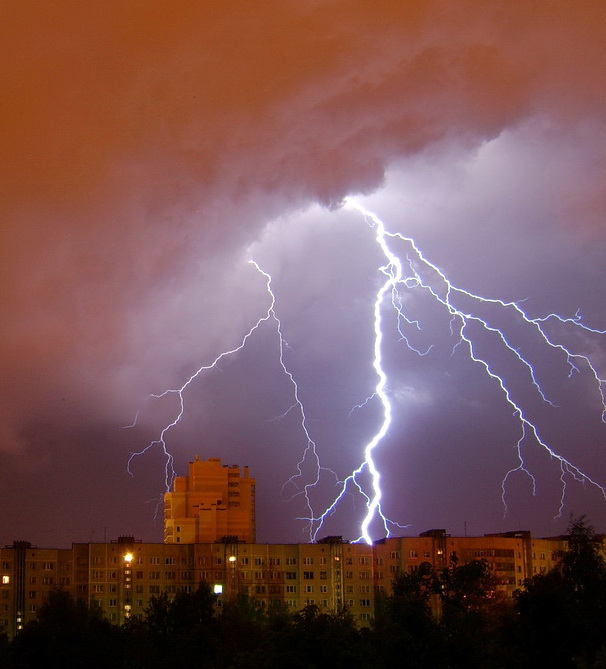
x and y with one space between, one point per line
404 272
310 452
418 273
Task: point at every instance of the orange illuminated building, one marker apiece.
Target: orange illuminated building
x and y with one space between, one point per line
212 502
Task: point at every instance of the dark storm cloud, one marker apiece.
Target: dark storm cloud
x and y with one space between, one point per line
146 145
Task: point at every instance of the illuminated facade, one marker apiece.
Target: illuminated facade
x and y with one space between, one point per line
212 502
122 576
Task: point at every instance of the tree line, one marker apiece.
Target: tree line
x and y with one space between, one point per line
438 619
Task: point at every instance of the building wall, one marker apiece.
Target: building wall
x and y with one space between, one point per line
212 502
123 576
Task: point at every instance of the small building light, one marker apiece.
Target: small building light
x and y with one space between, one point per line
218 589
6 580
128 558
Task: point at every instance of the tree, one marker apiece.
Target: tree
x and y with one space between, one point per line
175 630
404 625
474 616
67 633
562 614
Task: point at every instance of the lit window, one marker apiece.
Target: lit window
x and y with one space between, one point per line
218 589
6 580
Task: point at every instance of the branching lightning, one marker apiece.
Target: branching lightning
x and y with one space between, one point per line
444 292
407 270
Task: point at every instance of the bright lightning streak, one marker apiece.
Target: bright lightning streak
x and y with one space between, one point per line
310 451
444 293
180 392
415 273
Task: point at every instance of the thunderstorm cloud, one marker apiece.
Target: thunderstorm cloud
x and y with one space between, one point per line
150 149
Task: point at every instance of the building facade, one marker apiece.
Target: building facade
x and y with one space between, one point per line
122 576
212 502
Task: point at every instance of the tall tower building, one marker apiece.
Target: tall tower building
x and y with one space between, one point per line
213 502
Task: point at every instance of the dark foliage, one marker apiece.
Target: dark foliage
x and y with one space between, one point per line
562 614
67 634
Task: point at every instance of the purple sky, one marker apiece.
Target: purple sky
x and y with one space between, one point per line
150 149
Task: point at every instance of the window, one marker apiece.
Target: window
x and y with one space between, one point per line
155 575
274 561
258 561
365 602
394 555
309 588
291 588
154 589
48 566
308 575
47 580
308 560
154 560
97 588
291 560
349 574
323 588
169 560
244 561
170 575
322 560
291 575
413 554
363 560
7 579
324 575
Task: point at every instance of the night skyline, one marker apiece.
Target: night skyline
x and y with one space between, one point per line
152 150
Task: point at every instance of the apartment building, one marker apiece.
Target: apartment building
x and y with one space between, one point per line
123 575
213 501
